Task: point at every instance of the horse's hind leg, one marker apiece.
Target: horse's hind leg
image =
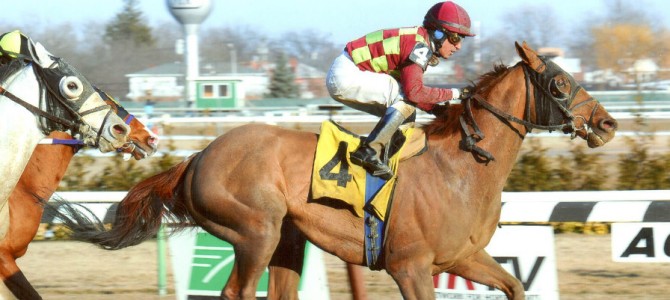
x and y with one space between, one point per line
482 268
252 257
20 287
287 264
253 243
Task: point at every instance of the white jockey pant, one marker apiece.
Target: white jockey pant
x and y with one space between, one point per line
362 90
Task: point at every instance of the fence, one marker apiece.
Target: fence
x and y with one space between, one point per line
620 207
582 206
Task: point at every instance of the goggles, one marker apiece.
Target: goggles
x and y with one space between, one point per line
452 37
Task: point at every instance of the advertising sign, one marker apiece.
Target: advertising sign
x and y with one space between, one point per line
202 263
641 242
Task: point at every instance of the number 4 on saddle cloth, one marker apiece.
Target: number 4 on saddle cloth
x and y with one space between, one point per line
335 177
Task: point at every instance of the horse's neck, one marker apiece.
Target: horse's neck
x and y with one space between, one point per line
19 130
500 140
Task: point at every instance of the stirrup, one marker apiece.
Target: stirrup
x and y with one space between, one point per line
385 174
367 158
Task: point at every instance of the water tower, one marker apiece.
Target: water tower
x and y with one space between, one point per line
190 13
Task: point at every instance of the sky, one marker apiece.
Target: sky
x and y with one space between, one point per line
344 20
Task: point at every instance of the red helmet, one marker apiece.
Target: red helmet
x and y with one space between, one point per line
448 16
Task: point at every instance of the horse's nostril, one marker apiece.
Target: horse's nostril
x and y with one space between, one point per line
609 124
152 140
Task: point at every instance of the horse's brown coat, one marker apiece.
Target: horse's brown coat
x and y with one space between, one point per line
38 182
250 187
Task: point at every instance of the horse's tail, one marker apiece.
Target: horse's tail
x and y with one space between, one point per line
140 213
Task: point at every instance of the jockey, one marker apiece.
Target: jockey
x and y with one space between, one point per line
382 74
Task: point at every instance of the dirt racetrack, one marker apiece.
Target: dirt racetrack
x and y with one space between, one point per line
62 270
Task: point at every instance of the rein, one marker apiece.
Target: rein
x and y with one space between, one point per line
36 111
542 93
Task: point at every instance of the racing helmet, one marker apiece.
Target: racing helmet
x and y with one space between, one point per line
448 16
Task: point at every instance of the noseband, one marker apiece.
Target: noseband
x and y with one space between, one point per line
553 110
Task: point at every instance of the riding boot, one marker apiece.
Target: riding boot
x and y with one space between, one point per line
368 153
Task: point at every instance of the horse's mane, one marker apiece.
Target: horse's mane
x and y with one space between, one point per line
447 122
8 67
49 102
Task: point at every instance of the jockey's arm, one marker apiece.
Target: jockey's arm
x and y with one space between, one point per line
425 98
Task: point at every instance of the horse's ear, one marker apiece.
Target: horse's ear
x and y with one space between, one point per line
528 55
519 50
41 56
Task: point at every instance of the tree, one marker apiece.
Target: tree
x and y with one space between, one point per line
599 40
218 44
620 45
129 28
581 171
642 170
311 47
534 23
282 82
532 171
128 46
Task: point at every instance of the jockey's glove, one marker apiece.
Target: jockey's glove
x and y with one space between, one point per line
455 94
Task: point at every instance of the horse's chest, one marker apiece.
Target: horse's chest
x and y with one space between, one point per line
20 135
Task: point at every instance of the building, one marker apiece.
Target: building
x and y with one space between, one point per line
165 83
219 84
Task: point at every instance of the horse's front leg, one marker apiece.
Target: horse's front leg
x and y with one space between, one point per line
13 279
413 277
482 268
287 264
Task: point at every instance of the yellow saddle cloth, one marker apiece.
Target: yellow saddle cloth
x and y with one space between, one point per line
335 177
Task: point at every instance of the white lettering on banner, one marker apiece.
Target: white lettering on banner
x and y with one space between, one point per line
641 242
527 252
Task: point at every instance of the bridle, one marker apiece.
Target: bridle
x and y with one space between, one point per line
76 126
127 118
553 108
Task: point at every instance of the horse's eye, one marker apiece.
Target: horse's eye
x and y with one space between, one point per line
71 87
560 86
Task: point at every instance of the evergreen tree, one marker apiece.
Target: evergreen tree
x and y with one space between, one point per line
76 175
282 82
129 28
581 171
641 170
532 171
118 175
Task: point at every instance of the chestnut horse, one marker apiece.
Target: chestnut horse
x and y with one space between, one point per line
38 182
251 187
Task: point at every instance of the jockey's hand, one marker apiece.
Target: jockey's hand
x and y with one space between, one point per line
439 109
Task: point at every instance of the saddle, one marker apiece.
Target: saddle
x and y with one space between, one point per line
334 177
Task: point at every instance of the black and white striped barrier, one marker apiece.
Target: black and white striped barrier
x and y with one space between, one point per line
591 206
